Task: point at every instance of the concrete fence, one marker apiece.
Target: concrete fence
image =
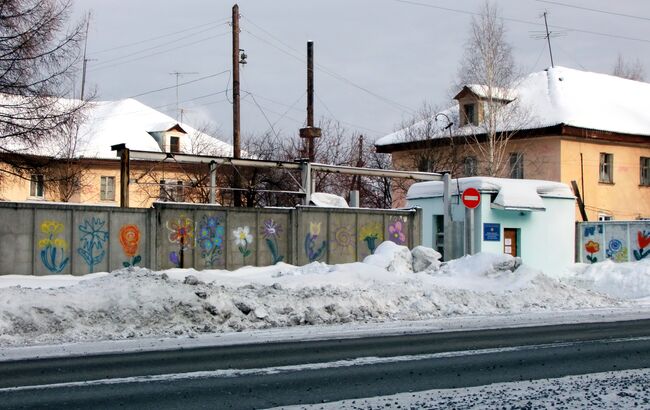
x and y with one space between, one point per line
43 239
620 241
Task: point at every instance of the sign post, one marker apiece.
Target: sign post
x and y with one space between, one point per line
471 199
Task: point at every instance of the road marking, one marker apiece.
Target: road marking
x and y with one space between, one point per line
361 361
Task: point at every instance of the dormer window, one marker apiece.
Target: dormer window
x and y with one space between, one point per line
174 144
470 114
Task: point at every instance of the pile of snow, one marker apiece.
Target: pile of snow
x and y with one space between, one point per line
141 303
323 199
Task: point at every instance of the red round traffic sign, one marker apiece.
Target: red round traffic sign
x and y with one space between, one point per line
471 198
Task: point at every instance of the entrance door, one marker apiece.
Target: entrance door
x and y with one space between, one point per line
510 241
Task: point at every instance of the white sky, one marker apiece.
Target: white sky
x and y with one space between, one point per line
407 52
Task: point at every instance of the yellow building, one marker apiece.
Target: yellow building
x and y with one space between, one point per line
90 174
560 125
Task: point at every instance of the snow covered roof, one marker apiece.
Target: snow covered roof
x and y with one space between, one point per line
131 122
512 194
566 96
328 200
498 93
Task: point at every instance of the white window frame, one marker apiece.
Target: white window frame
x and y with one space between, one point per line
470 166
36 184
172 190
103 185
644 165
606 168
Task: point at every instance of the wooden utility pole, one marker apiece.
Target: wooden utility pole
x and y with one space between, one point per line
310 132
236 145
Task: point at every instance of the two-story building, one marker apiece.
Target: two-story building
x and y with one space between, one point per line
565 125
82 168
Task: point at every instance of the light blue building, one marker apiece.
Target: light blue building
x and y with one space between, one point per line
532 219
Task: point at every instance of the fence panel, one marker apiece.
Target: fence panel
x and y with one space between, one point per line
619 241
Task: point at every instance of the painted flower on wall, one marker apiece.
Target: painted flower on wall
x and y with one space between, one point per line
210 238
371 234
592 247
130 241
243 238
53 247
270 231
643 240
181 231
344 239
313 251
93 237
396 232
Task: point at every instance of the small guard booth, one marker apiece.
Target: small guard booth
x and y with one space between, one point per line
532 219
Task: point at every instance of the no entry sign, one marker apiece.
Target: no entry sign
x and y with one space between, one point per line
471 198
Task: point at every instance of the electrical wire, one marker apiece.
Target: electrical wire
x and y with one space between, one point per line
127 45
611 13
577 30
180 84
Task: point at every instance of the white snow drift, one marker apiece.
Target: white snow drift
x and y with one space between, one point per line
138 302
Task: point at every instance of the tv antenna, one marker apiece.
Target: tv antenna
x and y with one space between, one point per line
547 36
178 75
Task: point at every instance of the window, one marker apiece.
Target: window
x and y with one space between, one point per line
36 186
107 189
171 190
517 165
645 171
470 166
470 114
604 217
425 165
606 174
174 144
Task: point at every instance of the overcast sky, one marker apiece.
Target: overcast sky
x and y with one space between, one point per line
377 60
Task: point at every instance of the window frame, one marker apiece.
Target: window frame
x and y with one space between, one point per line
470 163
606 168
36 181
174 148
470 119
103 179
644 171
516 166
172 190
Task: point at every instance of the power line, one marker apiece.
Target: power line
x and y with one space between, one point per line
577 30
101 67
179 84
612 13
135 43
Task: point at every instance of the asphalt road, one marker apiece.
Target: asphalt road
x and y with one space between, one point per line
275 374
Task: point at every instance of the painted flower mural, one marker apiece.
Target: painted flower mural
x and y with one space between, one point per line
53 247
130 241
181 232
643 241
243 238
270 231
93 236
210 236
396 232
344 240
312 251
616 251
592 247
371 234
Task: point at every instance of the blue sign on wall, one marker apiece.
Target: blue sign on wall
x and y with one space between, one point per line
492 232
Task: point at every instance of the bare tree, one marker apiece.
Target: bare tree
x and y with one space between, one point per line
489 69
36 65
632 70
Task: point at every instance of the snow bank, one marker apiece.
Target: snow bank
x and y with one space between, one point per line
132 303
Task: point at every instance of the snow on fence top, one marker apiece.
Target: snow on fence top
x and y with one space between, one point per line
566 96
511 193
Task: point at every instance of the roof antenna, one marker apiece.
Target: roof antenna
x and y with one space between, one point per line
547 36
178 74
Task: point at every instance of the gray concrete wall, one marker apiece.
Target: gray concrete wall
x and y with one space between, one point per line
44 239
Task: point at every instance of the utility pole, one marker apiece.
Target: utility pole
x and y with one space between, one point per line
236 144
310 132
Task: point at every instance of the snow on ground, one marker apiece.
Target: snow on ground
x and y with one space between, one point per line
610 390
139 303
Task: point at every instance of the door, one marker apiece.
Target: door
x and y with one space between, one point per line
510 241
